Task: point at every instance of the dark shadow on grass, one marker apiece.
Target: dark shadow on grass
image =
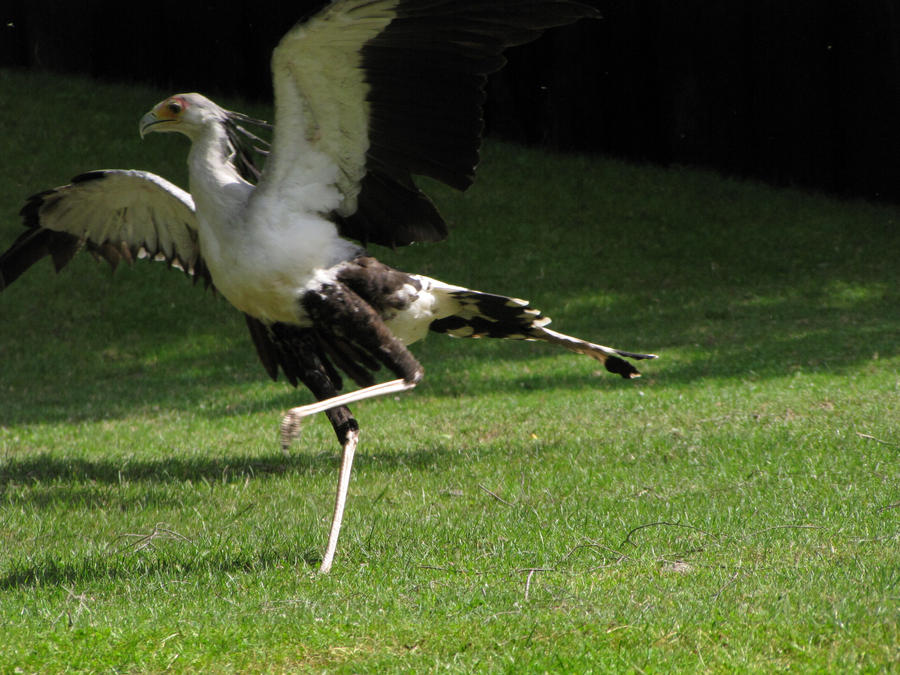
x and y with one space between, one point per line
82 473
118 564
84 479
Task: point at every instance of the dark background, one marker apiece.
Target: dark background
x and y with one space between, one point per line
794 92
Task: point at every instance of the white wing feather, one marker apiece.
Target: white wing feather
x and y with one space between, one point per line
319 147
116 214
135 208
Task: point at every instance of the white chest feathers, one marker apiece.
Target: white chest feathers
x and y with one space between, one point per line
263 265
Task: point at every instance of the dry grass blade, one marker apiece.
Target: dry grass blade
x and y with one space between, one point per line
877 440
495 495
142 541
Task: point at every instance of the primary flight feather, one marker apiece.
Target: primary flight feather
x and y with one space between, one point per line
368 93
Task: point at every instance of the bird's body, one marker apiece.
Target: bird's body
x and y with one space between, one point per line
368 92
261 253
263 257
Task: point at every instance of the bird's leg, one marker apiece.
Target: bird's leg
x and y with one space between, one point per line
348 434
340 499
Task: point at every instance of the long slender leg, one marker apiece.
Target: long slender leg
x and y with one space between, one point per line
348 435
290 426
340 500
313 373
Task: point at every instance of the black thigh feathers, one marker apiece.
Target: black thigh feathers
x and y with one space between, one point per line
349 324
298 352
347 332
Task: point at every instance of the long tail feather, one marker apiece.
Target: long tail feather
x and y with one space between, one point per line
478 314
608 356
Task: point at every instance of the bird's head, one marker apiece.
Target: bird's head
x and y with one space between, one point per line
188 114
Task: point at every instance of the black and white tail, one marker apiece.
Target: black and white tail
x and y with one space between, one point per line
480 314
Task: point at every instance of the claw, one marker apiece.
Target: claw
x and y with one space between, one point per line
290 430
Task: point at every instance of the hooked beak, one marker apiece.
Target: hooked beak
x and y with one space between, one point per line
147 121
150 121
158 119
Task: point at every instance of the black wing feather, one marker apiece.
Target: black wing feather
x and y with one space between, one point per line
427 72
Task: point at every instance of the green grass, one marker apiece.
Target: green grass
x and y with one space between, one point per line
735 510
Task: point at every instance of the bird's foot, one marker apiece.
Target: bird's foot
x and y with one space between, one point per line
290 423
290 430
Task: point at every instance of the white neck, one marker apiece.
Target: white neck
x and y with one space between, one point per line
219 191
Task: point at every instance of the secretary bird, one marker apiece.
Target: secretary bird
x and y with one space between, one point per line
368 93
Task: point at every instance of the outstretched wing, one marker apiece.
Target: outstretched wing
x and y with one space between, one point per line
116 215
369 93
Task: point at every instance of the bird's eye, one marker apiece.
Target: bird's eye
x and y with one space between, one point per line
174 107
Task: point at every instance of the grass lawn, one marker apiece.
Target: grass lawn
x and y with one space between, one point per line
735 510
